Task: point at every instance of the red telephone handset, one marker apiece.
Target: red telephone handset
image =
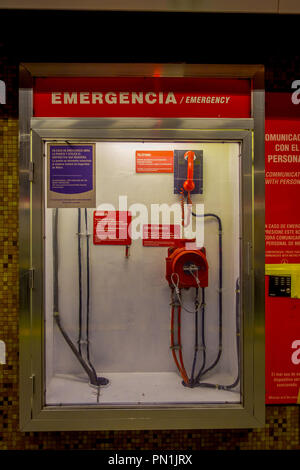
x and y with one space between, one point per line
189 184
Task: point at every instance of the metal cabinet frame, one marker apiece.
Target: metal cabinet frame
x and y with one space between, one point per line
34 415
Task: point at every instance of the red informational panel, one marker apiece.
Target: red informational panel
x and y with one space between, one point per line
282 191
112 228
142 97
282 246
160 234
154 161
282 349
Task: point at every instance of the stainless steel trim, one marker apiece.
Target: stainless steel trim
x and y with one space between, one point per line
246 281
25 105
37 257
142 70
212 6
120 419
141 123
127 134
258 170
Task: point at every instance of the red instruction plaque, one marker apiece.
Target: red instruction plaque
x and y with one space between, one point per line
160 235
112 228
154 161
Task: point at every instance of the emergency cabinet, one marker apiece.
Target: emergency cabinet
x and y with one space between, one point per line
142 246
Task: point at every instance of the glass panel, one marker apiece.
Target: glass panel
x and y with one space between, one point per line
141 296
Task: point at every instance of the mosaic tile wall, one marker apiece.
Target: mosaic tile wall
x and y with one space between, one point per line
282 422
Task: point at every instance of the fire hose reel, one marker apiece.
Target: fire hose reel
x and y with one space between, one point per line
187 268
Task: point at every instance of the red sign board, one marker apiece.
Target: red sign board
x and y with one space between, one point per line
160 234
282 349
154 161
142 97
112 228
282 246
282 196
